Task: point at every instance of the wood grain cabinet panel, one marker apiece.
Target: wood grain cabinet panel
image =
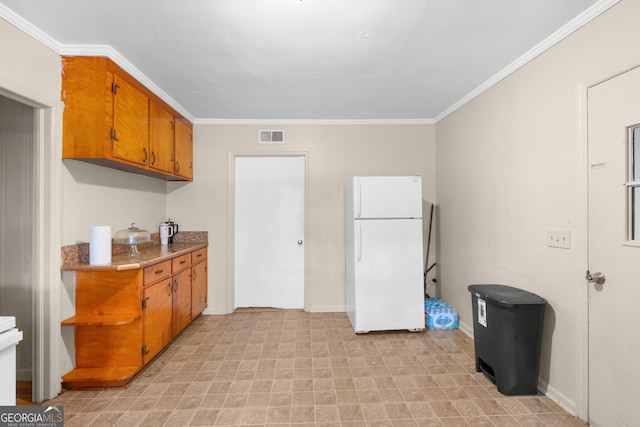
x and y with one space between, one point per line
158 326
157 272
199 287
130 130
161 143
184 151
112 120
199 281
180 263
181 300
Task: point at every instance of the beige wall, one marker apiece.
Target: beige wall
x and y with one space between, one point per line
508 169
95 195
28 71
334 153
31 73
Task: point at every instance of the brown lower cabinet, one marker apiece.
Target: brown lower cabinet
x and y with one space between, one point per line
126 318
158 309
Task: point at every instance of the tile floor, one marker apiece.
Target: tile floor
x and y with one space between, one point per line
309 369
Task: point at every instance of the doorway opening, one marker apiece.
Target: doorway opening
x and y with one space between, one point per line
38 150
17 234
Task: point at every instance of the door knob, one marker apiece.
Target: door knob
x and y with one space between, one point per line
597 278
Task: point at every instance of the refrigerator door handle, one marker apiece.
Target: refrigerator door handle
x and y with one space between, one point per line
359 240
358 198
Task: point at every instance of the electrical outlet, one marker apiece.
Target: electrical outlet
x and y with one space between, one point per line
559 238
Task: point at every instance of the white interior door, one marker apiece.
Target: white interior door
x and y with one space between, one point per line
614 306
269 231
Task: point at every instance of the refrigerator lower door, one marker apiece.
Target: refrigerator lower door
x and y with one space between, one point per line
388 277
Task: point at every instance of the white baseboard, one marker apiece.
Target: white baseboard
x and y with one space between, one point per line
215 310
549 391
327 309
314 309
563 401
466 329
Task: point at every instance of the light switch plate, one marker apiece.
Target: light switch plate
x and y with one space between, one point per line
559 238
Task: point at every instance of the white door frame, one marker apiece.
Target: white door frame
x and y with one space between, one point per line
231 214
47 280
582 244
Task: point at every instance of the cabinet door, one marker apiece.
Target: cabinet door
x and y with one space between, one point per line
158 327
184 150
130 133
161 139
198 288
181 300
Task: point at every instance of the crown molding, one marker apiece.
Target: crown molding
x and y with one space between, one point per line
89 50
108 51
573 25
115 56
269 122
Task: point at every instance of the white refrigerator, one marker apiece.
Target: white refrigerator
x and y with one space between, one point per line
384 255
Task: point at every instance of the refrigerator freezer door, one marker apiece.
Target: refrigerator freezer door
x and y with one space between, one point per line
7 322
387 196
388 292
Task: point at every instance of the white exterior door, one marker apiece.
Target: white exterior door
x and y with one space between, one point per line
269 231
614 305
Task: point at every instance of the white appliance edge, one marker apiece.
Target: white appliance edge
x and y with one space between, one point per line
10 336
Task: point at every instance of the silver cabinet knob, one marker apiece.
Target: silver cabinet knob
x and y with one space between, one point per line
299 242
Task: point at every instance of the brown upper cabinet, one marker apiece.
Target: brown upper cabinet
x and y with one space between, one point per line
161 144
111 119
184 151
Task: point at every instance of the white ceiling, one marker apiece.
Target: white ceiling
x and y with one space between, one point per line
313 60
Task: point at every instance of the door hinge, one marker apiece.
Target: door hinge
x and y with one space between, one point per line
113 135
114 88
144 350
144 303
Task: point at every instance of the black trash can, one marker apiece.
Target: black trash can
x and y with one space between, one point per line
507 328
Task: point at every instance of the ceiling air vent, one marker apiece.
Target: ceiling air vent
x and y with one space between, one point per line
271 137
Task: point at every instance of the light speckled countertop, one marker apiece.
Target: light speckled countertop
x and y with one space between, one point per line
76 257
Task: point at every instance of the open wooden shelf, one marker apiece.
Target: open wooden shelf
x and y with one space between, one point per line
84 378
100 320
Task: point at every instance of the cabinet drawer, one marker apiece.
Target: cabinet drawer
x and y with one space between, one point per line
157 272
199 255
181 262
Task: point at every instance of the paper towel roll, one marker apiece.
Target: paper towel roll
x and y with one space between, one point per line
100 245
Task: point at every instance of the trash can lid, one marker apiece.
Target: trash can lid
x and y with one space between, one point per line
506 295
